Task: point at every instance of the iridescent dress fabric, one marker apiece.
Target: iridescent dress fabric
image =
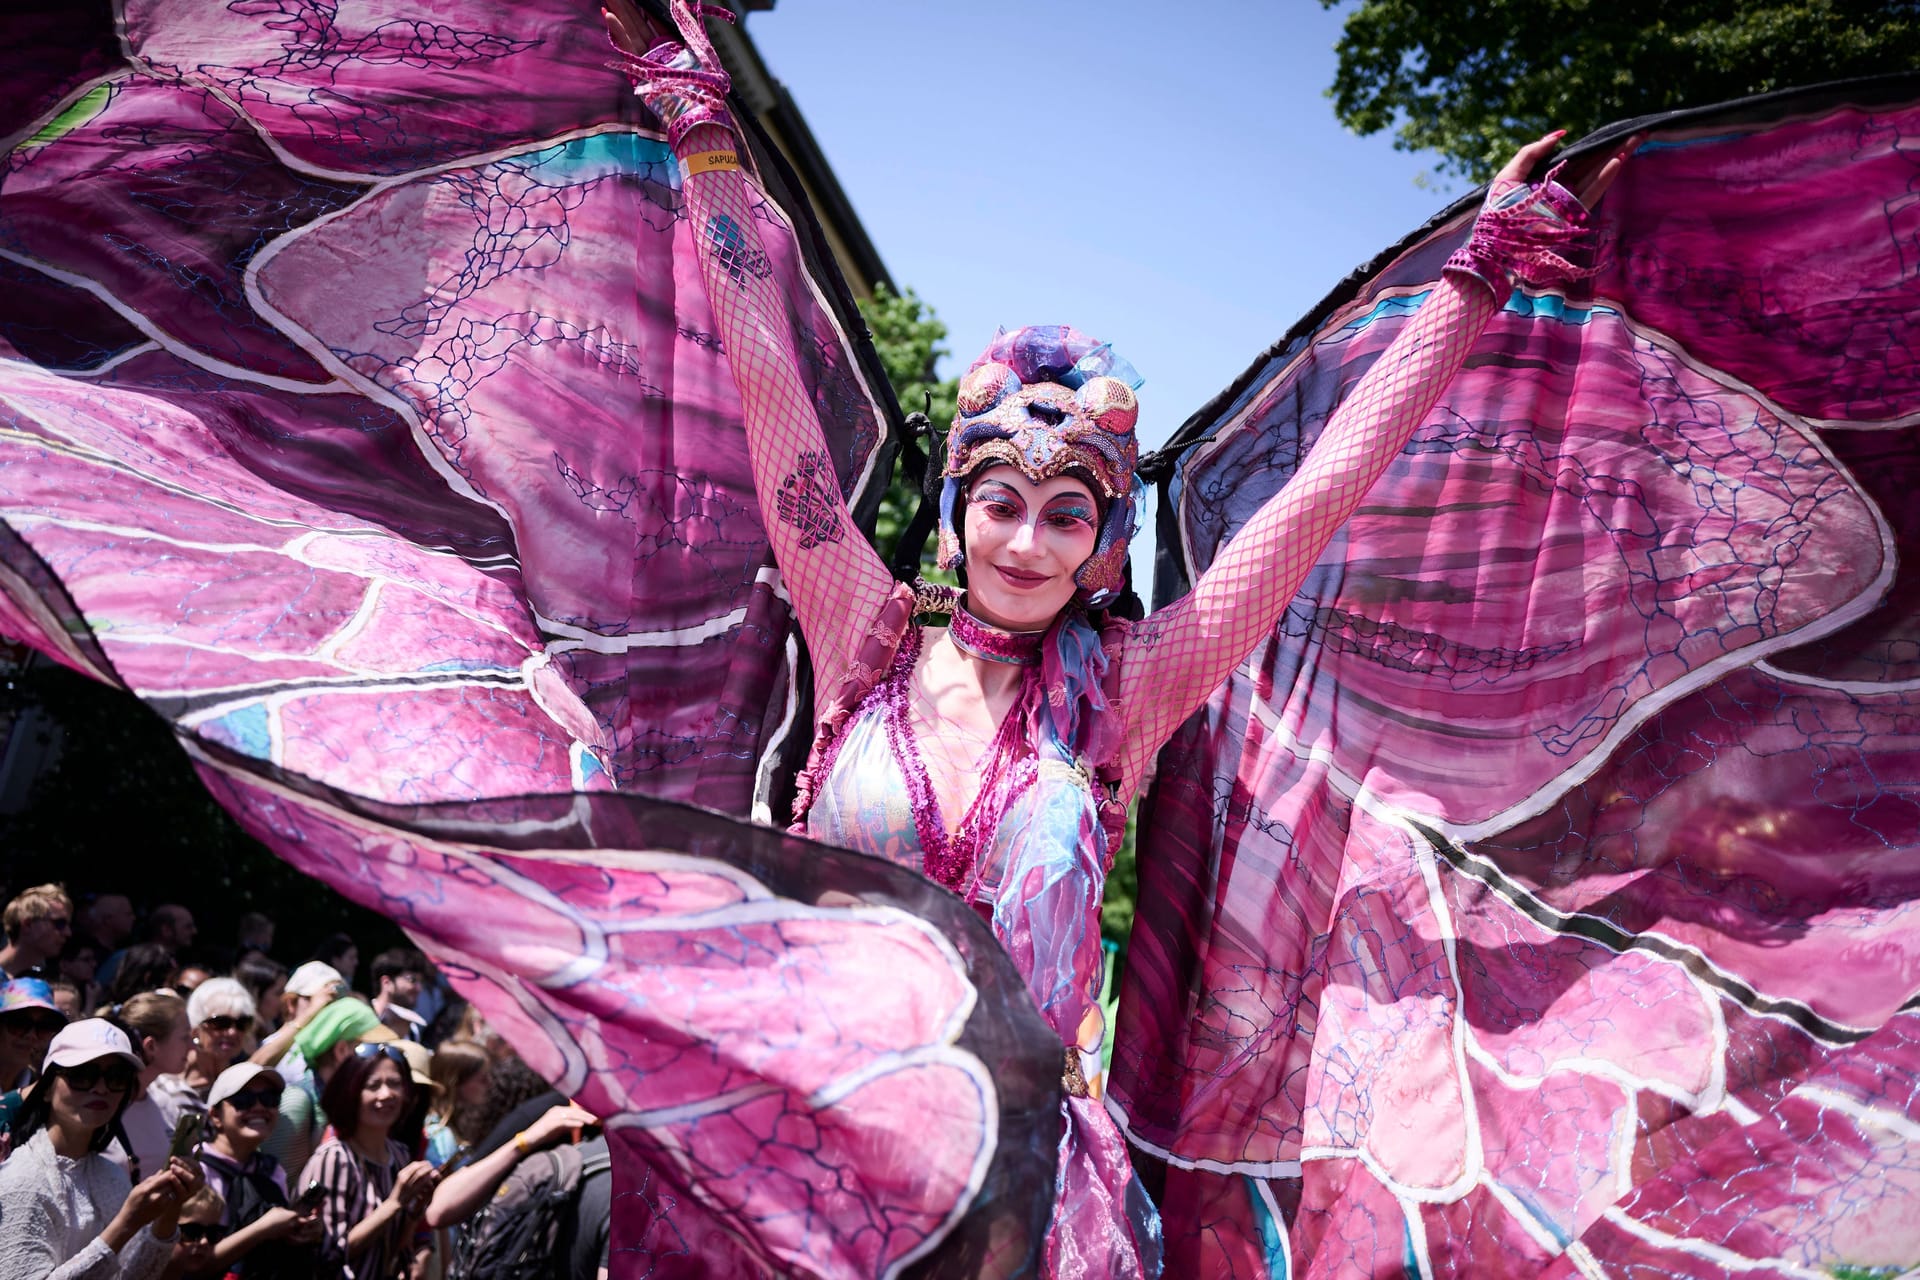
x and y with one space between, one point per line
1532 892
1038 881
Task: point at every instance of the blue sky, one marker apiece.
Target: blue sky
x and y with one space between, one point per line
1181 191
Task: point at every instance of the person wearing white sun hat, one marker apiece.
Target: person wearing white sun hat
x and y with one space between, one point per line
66 1211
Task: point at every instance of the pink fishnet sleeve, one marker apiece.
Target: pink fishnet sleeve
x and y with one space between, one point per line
836 580
1178 655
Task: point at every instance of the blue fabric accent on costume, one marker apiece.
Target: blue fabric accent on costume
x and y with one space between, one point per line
1551 306
1273 1237
1079 663
950 520
243 729
1057 353
1401 306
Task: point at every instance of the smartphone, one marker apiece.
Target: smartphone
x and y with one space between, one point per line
455 1160
310 1199
186 1135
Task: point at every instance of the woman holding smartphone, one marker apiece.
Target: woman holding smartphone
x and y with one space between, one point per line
266 1234
373 1191
66 1211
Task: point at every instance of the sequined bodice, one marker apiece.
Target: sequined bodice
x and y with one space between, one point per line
1039 876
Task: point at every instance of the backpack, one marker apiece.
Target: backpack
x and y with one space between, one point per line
524 1231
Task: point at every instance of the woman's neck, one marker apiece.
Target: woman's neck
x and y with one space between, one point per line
70 1140
371 1142
996 681
198 1073
995 655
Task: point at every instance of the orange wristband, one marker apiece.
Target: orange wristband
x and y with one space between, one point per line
708 161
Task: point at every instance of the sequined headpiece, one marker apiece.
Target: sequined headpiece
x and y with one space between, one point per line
1048 399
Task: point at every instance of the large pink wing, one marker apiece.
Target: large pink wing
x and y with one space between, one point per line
361 411
376 341
1544 893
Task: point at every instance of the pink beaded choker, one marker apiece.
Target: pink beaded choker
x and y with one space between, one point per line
977 639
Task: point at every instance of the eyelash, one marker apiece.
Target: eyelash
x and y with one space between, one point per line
1065 519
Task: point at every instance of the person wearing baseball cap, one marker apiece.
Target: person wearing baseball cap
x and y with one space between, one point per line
64 1205
328 1039
261 1233
308 990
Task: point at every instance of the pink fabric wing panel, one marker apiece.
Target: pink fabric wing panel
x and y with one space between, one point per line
1544 893
361 411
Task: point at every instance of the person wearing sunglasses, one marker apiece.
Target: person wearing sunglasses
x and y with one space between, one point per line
263 1234
66 1211
29 1019
373 1191
323 1044
221 1013
38 922
197 1238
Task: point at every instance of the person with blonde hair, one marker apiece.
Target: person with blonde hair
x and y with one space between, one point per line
199 1230
156 1023
38 922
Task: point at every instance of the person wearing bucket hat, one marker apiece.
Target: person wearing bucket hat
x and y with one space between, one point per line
65 1209
263 1235
327 1040
29 1020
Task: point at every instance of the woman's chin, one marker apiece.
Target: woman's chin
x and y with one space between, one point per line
1013 610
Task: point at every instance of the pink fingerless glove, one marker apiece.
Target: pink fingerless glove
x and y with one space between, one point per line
1520 236
683 83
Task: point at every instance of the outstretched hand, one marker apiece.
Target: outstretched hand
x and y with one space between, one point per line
625 27
1589 186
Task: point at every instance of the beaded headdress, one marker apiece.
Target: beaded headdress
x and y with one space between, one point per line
1048 399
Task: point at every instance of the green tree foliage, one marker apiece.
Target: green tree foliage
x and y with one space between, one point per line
908 337
1473 80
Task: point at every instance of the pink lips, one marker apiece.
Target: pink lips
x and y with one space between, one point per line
1015 578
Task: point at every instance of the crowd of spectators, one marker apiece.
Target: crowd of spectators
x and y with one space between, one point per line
174 1108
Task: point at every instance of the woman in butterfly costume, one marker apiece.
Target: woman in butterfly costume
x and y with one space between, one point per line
1536 896
998 753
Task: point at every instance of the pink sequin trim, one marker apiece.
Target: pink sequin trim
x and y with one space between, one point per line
954 861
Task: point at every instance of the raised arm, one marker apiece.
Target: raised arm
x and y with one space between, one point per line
1180 654
837 582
